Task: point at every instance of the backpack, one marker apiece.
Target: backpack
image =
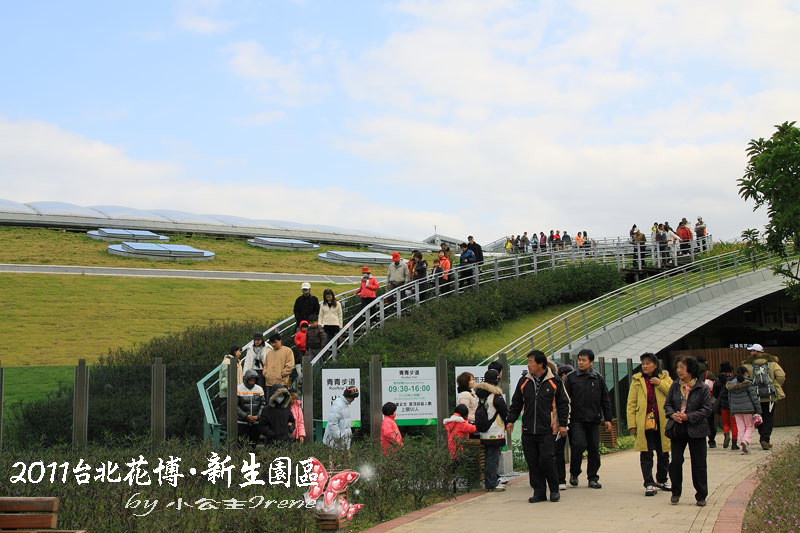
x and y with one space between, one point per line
482 422
762 382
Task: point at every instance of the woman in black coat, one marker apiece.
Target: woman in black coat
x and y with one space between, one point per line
688 406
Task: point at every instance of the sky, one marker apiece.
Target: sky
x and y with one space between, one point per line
471 117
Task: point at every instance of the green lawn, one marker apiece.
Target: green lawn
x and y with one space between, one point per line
52 320
26 383
45 246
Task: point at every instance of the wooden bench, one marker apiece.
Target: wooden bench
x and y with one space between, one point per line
30 515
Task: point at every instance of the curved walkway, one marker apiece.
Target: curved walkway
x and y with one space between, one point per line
173 273
619 506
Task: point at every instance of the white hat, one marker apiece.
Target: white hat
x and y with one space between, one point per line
755 348
305 285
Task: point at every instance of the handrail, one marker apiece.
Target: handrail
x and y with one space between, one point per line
555 334
420 291
210 417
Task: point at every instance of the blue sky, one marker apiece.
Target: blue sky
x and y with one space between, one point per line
477 117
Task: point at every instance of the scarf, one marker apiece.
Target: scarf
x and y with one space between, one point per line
685 388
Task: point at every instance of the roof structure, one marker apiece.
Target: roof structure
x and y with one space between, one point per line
61 214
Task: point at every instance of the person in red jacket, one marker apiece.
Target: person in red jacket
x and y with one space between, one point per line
390 433
300 338
685 234
458 429
368 289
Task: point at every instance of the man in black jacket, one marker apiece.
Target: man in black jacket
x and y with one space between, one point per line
589 396
476 249
305 305
275 421
546 412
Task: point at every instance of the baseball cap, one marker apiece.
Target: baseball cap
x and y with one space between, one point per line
395 256
756 348
305 285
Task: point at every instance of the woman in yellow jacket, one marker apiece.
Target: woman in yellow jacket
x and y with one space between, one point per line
646 400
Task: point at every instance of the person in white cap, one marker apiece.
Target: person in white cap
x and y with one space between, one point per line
768 378
305 305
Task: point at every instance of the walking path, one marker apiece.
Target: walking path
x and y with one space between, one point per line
171 273
620 506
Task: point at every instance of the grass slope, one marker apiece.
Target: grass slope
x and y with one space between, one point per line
52 320
45 246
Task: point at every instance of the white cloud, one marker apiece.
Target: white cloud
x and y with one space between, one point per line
272 79
202 24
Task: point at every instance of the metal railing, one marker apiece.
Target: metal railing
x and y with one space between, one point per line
394 302
577 324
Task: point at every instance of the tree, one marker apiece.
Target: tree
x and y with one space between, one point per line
772 179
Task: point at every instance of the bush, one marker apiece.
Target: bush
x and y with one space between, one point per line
421 333
414 476
775 502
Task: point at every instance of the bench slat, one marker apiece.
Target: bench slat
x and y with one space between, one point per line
29 521
10 504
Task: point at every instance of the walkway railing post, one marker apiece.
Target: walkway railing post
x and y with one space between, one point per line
496 270
669 286
653 290
375 398
350 334
602 370
619 307
533 344
702 277
736 265
636 299
514 351
719 269
566 330
476 273
80 406
552 258
456 275
158 402
416 292
603 315
231 407
615 371
550 340
308 397
535 263
381 312
585 327
442 409
436 287
398 296
686 278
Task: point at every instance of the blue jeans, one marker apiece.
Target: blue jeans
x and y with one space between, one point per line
491 463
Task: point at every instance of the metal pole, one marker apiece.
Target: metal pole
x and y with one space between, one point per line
619 307
308 397
505 382
158 400
416 292
636 299
80 407
533 345
398 296
686 277
550 339
602 362
381 312
566 329
516 266
702 277
375 398
719 271
736 265
565 358
496 270
603 315
350 335
653 290
476 274
436 288
231 407
615 371
456 272
669 286
442 410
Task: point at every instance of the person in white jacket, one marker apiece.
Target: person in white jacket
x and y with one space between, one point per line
337 431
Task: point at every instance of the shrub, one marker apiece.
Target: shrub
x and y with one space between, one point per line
775 502
414 476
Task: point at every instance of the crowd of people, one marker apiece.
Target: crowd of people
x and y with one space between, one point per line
667 243
556 240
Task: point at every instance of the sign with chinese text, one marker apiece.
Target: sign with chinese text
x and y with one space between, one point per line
413 389
334 381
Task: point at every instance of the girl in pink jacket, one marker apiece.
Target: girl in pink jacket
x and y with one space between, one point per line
390 433
296 406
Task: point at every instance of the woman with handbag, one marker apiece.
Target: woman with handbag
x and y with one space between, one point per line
688 406
647 420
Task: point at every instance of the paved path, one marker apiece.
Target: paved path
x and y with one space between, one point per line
175 273
620 506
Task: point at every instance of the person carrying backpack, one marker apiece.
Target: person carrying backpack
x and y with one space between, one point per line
490 420
768 378
745 406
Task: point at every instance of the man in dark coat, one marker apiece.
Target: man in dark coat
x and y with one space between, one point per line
476 249
589 396
305 305
546 412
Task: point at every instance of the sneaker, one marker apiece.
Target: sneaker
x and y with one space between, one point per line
701 503
573 480
562 486
734 446
675 499
712 444
743 446
534 499
555 496
664 486
727 441
504 482
595 485
498 488
650 491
